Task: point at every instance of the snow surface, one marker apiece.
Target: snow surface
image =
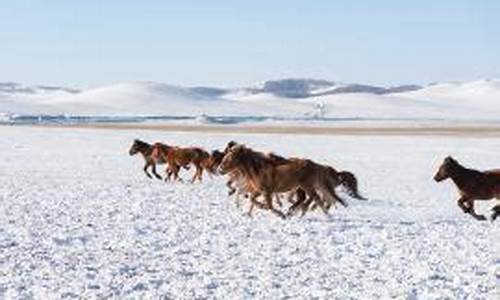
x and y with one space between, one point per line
450 102
78 218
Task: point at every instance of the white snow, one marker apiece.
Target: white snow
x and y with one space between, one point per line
78 218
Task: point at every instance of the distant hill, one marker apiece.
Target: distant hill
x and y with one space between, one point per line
287 98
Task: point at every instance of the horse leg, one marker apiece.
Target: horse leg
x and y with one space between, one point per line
196 173
318 200
305 206
278 200
146 166
269 202
301 197
173 171
200 173
253 202
168 171
176 173
330 188
169 174
229 185
461 203
496 212
153 169
290 197
473 213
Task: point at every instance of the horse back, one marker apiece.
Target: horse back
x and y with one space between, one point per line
494 173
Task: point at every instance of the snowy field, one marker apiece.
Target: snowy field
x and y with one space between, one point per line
78 218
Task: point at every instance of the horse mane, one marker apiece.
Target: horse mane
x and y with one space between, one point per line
277 159
230 145
141 143
216 153
252 161
461 174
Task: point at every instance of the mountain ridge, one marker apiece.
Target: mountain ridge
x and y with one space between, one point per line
282 99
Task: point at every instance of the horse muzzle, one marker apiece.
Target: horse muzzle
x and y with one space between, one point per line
438 178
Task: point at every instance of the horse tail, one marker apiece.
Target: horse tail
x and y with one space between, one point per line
349 181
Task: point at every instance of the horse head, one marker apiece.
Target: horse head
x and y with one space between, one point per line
215 160
229 145
445 169
231 159
135 147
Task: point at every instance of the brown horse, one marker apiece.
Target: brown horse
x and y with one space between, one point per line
345 179
146 150
472 185
267 178
237 182
211 164
177 157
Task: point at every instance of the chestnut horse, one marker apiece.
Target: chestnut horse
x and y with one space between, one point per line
177 157
472 185
146 150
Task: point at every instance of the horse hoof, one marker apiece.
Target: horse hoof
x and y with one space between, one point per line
280 214
481 218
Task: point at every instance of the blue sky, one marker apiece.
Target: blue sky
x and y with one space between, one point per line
231 43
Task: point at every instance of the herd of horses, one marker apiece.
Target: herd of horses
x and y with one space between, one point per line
266 178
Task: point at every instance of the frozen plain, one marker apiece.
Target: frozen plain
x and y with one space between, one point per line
78 218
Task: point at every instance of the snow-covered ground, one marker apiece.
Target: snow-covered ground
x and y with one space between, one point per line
78 218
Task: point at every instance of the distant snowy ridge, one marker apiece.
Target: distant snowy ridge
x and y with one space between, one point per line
305 88
287 88
16 88
292 99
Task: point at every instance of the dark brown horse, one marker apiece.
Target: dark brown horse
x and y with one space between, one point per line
472 185
146 150
345 179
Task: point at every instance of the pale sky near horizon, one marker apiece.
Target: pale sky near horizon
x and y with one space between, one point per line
225 43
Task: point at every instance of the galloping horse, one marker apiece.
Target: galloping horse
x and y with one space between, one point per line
178 157
472 185
267 178
146 150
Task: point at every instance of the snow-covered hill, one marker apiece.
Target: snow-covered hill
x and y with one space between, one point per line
284 99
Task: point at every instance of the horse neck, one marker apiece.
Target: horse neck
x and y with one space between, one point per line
461 176
252 164
145 149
